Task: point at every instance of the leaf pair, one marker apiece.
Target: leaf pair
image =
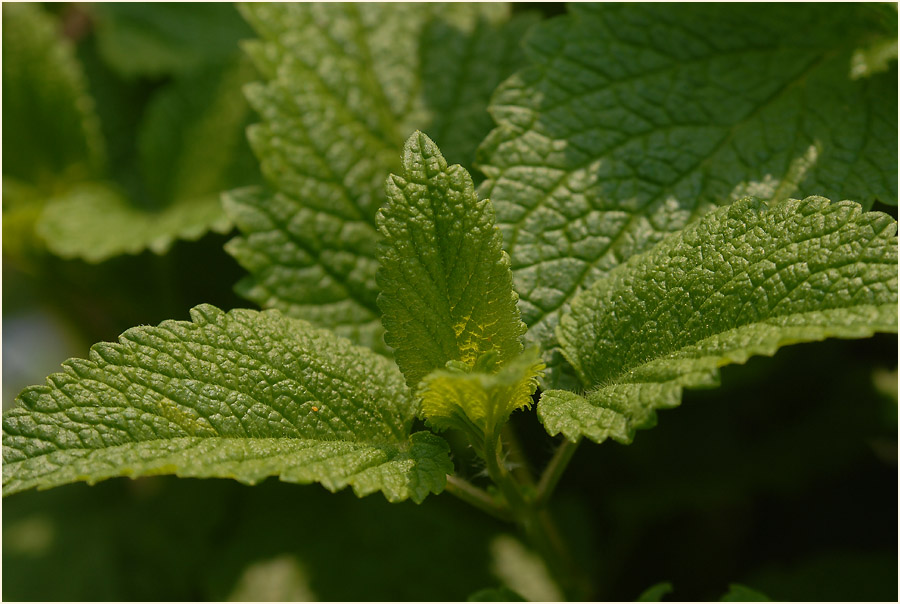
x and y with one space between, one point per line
248 395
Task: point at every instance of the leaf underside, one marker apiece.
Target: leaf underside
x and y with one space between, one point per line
743 281
446 285
346 85
635 120
242 395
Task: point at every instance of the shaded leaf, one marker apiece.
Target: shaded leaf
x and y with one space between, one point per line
166 38
636 119
50 130
742 593
347 84
655 593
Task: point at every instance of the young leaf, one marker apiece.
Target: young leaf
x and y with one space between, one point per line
241 395
636 119
346 86
479 401
744 280
50 129
446 286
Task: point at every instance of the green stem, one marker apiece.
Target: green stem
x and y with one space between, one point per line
537 525
554 471
481 499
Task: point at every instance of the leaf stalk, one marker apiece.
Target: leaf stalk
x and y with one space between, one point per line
554 471
481 499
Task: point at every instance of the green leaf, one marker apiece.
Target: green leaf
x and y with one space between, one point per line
745 280
96 221
347 84
167 38
242 395
742 593
446 285
479 401
496 594
655 593
636 119
192 141
191 147
50 130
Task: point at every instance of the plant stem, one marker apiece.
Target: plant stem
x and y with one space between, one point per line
481 499
554 471
537 524
521 469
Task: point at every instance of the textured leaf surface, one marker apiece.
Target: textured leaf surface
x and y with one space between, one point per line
636 119
743 281
50 131
478 402
241 395
446 285
347 84
191 147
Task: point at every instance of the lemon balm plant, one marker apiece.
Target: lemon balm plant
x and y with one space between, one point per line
661 200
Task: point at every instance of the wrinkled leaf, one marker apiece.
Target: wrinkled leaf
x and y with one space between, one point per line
636 119
743 281
446 286
347 85
242 395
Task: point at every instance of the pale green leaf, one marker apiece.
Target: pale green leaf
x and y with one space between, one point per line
745 280
446 285
347 84
242 395
479 401
636 119
96 221
51 133
191 147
